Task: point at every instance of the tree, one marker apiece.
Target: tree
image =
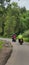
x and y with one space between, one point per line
2 15
2 20
23 10
13 19
2 2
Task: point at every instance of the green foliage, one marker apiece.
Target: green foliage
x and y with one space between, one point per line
7 0
13 19
23 10
1 43
26 39
2 1
26 34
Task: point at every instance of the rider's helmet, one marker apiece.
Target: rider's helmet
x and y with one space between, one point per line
14 36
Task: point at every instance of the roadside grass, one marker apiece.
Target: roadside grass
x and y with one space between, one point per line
26 39
1 44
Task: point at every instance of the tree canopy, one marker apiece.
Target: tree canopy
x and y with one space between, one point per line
13 19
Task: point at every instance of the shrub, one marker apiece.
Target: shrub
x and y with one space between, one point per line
26 34
1 43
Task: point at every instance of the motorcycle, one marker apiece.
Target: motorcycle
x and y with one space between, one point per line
14 38
21 41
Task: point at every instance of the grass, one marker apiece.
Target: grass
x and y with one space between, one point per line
1 43
26 39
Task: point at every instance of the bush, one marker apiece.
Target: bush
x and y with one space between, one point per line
26 39
1 43
26 34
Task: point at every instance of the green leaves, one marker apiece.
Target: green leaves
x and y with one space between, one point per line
13 19
7 0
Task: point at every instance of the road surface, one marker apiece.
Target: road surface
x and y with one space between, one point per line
20 54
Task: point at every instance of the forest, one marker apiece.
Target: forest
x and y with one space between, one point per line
13 19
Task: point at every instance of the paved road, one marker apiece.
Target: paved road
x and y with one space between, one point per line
20 54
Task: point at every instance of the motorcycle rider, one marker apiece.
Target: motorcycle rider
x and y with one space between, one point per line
20 39
14 37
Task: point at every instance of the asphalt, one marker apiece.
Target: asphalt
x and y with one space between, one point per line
20 54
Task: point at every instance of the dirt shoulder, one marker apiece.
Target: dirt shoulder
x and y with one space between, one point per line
5 52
